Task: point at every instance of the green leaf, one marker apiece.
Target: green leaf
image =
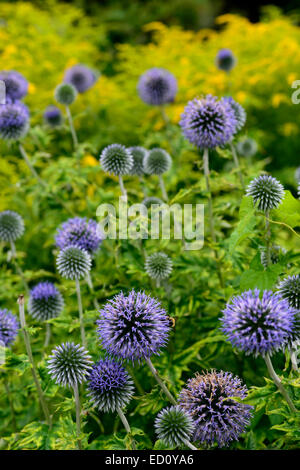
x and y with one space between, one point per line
246 224
289 211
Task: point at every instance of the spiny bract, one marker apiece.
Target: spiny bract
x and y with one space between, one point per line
9 327
158 266
138 154
266 191
81 232
11 226
69 364
239 113
45 301
16 86
14 120
157 86
157 161
116 159
81 77
246 147
73 262
65 93
174 426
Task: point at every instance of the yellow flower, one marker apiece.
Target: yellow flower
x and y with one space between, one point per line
89 160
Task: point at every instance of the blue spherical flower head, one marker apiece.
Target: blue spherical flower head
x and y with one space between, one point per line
11 226
158 266
133 327
225 60
217 417
258 323
65 94
247 147
138 154
238 111
157 161
174 426
81 77
157 86
53 116
73 262
16 86
14 120
69 364
152 201
9 327
81 232
207 122
110 386
45 301
116 159
266 191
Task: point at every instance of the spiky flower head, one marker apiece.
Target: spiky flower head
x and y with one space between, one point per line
134 326
266 191
157 162
276 253
11 226
238 111
14 120
65 93
110 386
138 154
45 301
81 232
53 116
152 200
158 266
157 86
289 289
81 77
258 323
208 122
218 418
174 426
69 364
247 147
116 159
16 86
73 262
9 327
225 60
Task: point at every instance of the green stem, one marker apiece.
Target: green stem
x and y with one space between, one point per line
30 166
48 335
123 189
17 266
278 383
268 238
78 419
163 188
160 381
80 313
126 425
237 164
91 287
12 410
72 128
189 444
21 302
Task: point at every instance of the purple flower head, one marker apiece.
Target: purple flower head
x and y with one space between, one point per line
14 120
45 301
133 327
208 122
225 60
238 111
16 86
157 86
9 326
81 77
258 324
80 232
53 116
218 418
110 386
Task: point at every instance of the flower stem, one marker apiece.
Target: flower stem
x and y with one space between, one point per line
17 266
72 128
91 287
294 361
48 335
210 212
12 410
163 188
80 313
164 115
78 419
21 302
123 190
278 383
237 164
268 238
126 425
189 444
160 381
30 166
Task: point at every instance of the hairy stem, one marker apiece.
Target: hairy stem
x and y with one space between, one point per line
164 115
237 164
78 419
268 238
72 128
189 444
160 381
21 302
10 401
278 383
30 166
294 361
123 189
91 287
17 266
163 188
80 313
126 425
48 335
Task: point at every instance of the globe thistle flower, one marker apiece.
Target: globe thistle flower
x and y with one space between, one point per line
45 301
53 116
16 86
157 87
258 323
266 191
138 154
225 60
207 122
133 327
174 426
65 94
158 266
9 327
218 418
73 262
80 232
238 111
247 147
152 200
157 161
69 364
289 289
14 120
110 386
276 253
11 226
81 77
116 159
